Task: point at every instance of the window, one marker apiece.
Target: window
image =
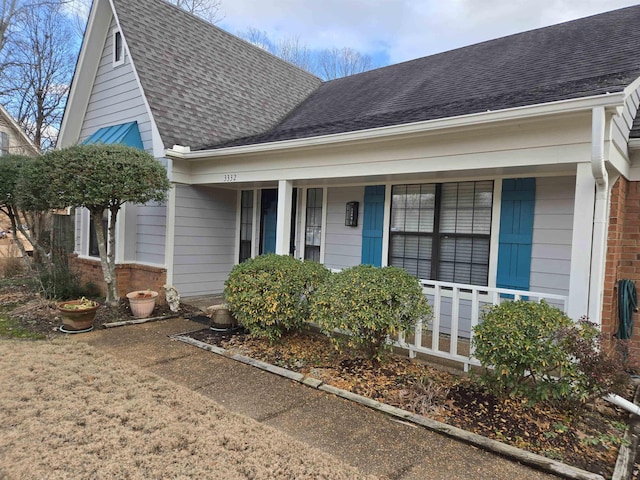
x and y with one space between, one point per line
118 48
4 144
313 227
246 224
442 231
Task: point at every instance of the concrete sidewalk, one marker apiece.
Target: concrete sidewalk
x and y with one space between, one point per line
369 440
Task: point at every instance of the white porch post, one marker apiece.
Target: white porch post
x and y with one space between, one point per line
581 242
283 226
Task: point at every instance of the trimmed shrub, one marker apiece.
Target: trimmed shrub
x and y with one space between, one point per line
534 350
270 294
369 304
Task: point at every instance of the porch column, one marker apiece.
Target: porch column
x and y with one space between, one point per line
283 226
583 209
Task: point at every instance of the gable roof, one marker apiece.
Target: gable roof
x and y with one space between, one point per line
204 85
22 143
581 58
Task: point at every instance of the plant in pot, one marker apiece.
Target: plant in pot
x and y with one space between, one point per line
77 315
142 302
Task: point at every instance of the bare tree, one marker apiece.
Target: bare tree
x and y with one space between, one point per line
206 9
327 64
40 77
342 62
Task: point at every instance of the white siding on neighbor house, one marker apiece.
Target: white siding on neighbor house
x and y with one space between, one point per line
204 248
116 97
343 245
552 232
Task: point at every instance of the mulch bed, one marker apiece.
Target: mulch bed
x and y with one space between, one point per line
588 439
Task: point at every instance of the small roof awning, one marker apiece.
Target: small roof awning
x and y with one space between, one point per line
125 133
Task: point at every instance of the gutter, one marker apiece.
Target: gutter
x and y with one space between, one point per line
599 239
608 100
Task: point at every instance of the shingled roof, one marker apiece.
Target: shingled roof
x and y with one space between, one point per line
203 84
585 57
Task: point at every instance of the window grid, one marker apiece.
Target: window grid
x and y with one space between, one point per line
246 224
457 247
313 227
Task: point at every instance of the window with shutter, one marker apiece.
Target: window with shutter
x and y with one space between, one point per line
442 231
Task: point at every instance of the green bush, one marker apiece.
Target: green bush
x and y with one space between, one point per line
270 294
518 343
370 304
535 351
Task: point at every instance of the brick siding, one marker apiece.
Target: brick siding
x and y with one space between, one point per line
623 260
129 276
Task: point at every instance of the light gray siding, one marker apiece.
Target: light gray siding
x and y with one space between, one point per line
204 249
552 232
116 97
343 245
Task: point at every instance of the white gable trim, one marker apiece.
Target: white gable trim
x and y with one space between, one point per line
158 145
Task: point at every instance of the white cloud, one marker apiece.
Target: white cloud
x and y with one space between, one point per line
405 29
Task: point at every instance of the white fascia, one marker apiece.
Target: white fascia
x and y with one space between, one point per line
608 101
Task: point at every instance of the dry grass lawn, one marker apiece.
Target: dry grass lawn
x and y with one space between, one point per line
69 411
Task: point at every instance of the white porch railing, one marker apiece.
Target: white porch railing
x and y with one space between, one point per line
456 310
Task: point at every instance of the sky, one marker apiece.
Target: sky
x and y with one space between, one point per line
393 31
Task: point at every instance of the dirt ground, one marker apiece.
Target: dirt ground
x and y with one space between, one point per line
69 411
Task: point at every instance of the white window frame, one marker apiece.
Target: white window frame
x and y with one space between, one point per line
4 143
114 34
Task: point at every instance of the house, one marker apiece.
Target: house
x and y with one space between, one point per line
13 140
508 168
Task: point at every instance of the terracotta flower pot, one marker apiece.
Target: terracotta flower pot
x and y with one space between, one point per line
142 302
77 315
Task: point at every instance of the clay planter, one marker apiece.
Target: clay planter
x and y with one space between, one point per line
142 302
77 315
221 318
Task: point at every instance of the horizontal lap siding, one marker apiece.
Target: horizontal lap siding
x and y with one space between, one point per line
343 245
552 235
204 248
116 97
151 233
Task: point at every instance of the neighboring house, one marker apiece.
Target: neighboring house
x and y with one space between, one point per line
13 140
504 167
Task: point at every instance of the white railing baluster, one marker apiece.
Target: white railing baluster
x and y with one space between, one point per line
476 296
455 315
435 324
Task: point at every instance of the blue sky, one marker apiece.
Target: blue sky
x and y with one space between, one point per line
393 31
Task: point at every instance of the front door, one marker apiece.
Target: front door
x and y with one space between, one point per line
268 220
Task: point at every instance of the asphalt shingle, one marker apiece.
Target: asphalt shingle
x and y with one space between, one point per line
589 56
203 84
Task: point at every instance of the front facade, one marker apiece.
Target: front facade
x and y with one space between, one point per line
521 188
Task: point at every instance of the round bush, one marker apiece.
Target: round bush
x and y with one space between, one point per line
370 304
518 342
270 294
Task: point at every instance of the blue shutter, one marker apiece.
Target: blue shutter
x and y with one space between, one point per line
372 225
516 233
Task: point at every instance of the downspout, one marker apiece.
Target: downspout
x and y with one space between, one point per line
599 240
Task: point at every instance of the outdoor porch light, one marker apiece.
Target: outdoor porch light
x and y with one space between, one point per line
351 214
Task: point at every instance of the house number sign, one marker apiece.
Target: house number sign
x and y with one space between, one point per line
230 177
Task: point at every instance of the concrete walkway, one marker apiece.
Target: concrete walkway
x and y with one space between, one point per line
369 440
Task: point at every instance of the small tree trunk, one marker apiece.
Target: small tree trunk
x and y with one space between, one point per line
14 228
107 271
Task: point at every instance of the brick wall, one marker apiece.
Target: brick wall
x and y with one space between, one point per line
623 260
129 276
